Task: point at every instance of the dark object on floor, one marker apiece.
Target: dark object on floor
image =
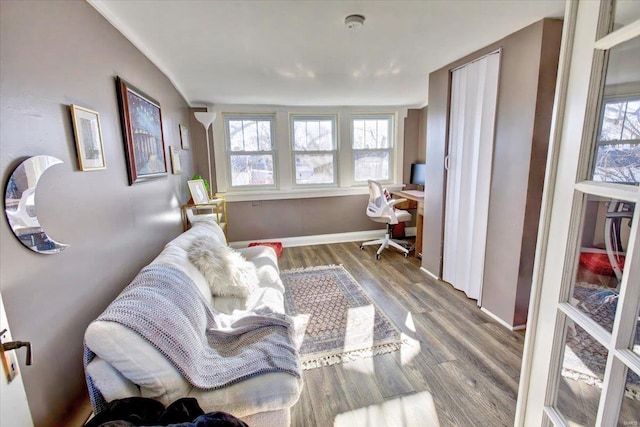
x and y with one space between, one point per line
140 411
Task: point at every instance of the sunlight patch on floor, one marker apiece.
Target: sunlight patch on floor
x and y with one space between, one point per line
410 349
415 410
410 346
359 334
409 322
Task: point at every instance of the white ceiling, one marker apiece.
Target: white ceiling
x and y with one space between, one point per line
301 53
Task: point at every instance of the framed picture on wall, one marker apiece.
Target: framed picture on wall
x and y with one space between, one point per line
176 167
184 137
141 119
88 135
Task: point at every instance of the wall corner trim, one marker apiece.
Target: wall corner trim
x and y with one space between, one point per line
502 322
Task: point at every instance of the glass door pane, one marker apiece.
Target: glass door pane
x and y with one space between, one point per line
582 374
617 148
627 11
606 225
630 410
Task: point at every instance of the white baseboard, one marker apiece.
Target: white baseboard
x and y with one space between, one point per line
502 322
324 239
430 274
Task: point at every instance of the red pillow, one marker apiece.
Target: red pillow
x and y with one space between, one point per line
277 246
598 263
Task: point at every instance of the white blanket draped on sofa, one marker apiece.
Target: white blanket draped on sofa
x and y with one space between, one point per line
209 349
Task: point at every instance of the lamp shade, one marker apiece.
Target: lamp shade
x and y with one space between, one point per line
205 117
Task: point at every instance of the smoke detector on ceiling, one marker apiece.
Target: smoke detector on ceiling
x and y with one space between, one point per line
353 22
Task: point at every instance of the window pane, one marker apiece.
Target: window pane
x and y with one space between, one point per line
251 170
635 345
630 408
264 135
314 168
582 373
631 128
617 155
326 135
627 11
371 165
621 121
605 234
235 135
612 121
313 135
250 129
370 134
383 134
358 134
299 135
249 135
617 163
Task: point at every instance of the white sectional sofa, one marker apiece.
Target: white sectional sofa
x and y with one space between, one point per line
127 365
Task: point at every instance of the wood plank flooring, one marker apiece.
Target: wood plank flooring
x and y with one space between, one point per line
462 370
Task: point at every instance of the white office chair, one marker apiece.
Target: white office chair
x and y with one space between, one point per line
381 210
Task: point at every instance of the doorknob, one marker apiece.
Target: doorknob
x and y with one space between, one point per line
14 345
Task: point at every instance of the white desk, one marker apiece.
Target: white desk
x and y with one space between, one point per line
415 200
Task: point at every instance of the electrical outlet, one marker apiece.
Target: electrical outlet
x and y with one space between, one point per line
10 364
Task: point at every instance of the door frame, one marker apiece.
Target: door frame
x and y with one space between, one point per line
573 126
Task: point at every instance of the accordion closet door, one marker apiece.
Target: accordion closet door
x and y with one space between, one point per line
471 134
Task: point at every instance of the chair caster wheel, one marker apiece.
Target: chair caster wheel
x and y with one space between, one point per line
378 256
406 255
361 247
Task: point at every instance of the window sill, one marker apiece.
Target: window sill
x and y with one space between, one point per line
303 193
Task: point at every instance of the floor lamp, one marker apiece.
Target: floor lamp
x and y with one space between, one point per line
206 118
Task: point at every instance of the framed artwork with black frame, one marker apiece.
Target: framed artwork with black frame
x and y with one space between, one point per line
141 119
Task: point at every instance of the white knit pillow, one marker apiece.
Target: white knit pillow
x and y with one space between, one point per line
226 271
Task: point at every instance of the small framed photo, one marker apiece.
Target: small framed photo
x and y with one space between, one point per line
198 191
88 135
176 167
184 137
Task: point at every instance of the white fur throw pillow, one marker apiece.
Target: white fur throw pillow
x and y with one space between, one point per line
226 271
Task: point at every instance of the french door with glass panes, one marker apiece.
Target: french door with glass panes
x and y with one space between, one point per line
581 364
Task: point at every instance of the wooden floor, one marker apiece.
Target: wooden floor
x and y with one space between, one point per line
461 370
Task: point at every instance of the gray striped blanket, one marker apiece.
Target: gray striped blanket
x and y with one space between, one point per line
210 349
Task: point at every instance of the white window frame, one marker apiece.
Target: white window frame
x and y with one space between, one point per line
229 152
613 99
392 144
285 187
333 152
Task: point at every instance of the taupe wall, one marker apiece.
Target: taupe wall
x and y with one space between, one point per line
550 52
53 54
273 219
525 98
435 181
268 219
